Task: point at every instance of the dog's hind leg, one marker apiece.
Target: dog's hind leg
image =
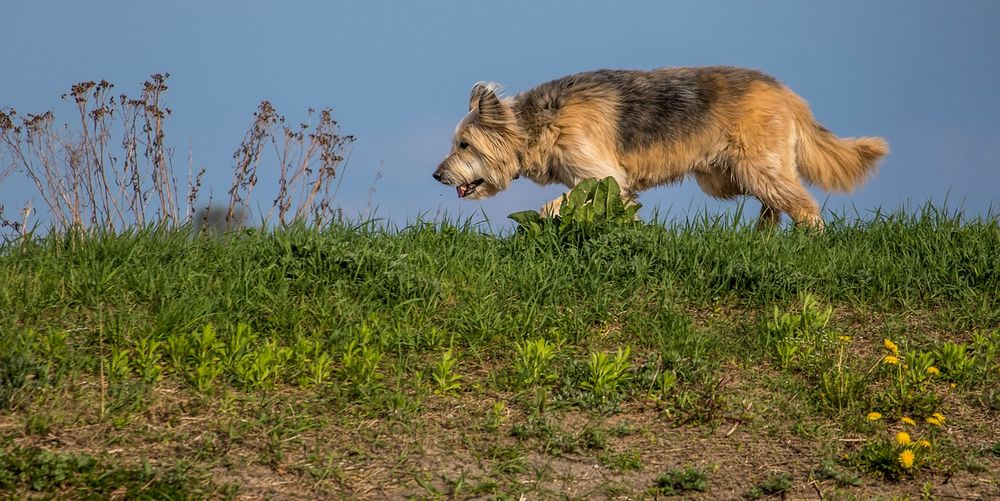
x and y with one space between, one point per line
779 192
772 179
762 162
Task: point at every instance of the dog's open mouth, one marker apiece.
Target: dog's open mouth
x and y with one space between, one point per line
466 189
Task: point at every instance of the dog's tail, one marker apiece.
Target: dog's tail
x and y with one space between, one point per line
828 161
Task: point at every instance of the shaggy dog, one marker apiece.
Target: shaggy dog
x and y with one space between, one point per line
737 131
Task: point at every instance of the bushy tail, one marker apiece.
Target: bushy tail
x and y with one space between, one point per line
830 162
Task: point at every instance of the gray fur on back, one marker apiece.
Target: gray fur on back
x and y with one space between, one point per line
666 104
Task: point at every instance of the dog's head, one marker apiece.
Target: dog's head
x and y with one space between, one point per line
484 151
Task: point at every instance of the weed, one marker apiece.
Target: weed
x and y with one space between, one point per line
533 363
147 359
829 470
359 360
678 481
774 484
495 417
606 373
447 381
799 338
842 387
587 210
909 389
119 367
261 367
621 461
893 458
954 360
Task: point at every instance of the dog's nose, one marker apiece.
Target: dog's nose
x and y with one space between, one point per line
437 176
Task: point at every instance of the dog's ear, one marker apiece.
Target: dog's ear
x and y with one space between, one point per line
479 91
485 101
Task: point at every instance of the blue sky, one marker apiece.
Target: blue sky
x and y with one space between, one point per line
922 74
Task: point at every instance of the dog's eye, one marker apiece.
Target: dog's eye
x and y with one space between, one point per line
463 145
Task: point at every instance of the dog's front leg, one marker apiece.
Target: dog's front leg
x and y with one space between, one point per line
551 209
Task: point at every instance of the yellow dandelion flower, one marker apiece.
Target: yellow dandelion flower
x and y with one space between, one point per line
934 371
933 420
873 416
844 339
938 416
889 345
923 444
890 360
903 438
906 459
908 421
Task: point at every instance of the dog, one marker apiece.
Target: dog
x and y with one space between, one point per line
738 131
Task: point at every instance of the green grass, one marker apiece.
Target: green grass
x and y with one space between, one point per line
437 359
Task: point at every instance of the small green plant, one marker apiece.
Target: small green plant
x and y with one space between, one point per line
954 361
147 359
359 362
55 351
119 368
829 470
444 376
203 352
624 461
495 417
606 372
315 369
665 384
774 484
261 367
532 366
678 481
787 349
205 373
800 338
238 346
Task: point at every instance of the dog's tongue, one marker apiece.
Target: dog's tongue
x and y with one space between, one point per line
461 190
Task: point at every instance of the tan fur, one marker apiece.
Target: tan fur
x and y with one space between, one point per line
754 139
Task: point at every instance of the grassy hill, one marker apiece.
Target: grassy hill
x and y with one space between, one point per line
702 359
